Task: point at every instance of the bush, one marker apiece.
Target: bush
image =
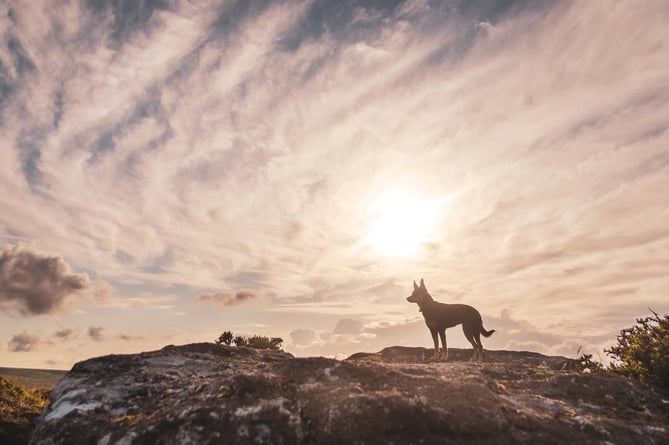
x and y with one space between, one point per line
260 342
642 351
239 341
19 409
256 341
225 338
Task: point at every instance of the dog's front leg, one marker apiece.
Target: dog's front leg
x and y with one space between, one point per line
444 348
435 339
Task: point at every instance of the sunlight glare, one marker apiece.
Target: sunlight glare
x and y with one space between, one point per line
402 222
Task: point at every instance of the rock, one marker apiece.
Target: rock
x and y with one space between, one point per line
210 394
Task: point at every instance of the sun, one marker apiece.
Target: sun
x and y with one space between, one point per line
402 222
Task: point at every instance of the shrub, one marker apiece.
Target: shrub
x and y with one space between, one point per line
225 338
239 341
19 409
256 341
261 342
642 351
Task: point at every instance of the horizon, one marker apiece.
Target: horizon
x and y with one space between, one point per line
170 171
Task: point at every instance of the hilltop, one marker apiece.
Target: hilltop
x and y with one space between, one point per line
206 393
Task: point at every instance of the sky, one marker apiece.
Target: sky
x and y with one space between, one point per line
170 170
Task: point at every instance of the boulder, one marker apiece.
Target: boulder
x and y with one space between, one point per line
212 394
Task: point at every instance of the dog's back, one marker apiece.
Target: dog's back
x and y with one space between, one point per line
449 315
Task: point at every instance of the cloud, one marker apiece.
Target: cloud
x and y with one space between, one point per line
348 326
144 300
125 19
32 283
349 336
229 298
130 337
65 334
23 342
302 337
241 146
96 333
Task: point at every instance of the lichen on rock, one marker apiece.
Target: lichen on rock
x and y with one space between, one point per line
209 394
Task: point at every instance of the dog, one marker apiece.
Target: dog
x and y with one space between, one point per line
441 316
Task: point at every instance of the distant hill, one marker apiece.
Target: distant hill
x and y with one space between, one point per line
208 394
31 378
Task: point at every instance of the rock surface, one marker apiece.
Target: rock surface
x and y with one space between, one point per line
209 394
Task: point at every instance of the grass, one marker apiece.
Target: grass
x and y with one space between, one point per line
24 393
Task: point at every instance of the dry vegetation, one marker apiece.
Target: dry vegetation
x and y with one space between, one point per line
19 409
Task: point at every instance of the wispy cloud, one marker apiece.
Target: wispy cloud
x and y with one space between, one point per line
222 147
229 298
130 337
143 300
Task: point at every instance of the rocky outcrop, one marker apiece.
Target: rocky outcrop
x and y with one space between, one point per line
212 394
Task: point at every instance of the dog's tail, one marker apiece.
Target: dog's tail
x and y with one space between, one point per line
486 333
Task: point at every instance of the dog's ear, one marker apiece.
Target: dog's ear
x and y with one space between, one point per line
415 286
422 284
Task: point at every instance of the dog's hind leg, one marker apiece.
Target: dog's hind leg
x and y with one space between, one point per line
479 345
444 348
469 333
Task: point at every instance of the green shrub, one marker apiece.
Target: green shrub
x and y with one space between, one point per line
261 342
642 351
19 409
256 341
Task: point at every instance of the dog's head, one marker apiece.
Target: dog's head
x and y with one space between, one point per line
419 294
